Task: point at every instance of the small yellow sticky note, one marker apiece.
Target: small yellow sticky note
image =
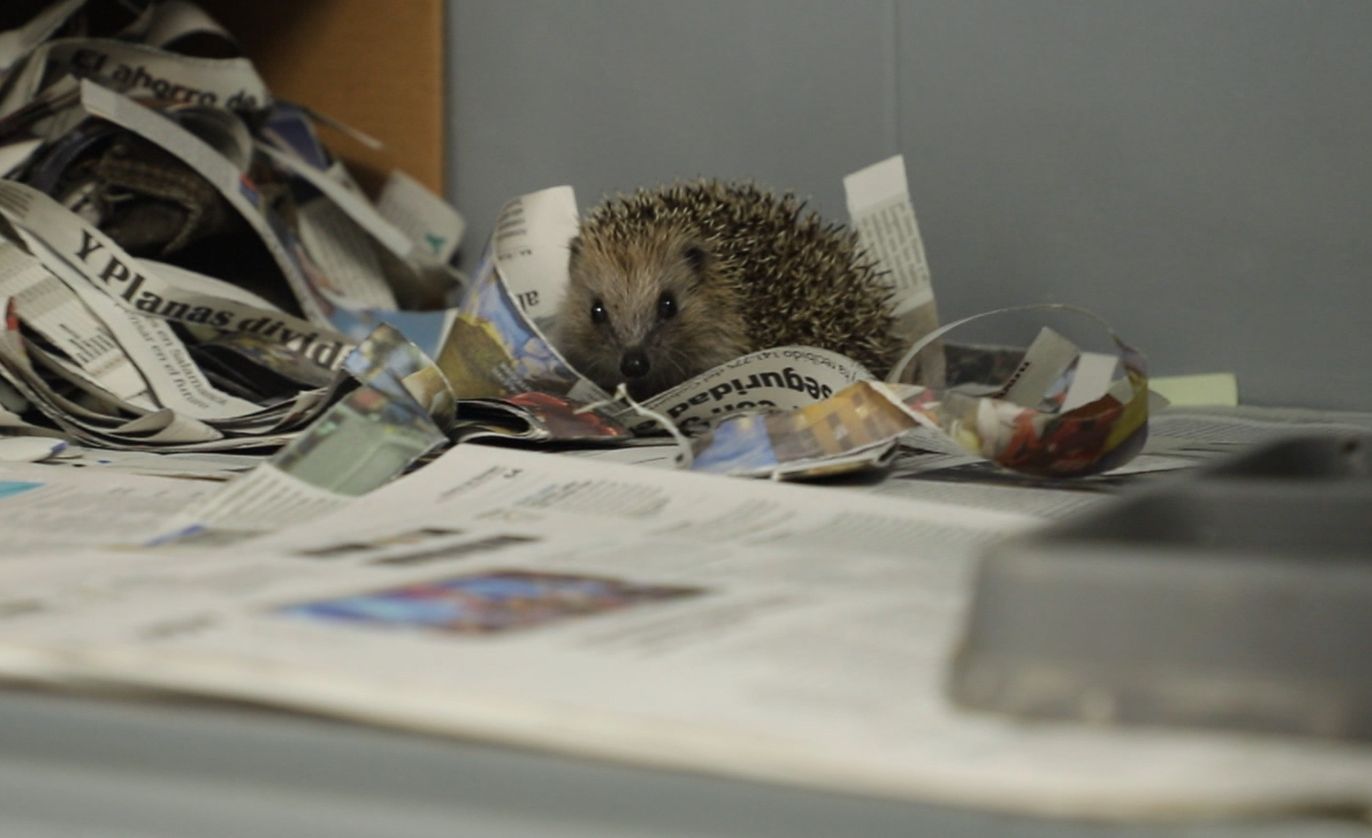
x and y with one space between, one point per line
1205 390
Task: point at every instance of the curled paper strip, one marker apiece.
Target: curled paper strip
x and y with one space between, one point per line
491 349
537 417
1063 413
855 428
366 439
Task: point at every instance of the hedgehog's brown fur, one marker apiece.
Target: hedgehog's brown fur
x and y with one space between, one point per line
745 270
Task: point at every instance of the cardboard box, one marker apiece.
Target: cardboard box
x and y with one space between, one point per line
376 66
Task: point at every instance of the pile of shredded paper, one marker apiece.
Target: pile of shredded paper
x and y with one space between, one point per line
185 267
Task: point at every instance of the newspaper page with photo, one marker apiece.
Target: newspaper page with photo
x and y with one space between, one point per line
747 629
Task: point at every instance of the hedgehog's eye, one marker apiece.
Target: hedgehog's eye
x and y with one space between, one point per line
666 306
598 312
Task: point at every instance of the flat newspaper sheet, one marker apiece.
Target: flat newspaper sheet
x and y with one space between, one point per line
753 629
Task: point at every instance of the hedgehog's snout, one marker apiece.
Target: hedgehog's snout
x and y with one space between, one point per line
634 363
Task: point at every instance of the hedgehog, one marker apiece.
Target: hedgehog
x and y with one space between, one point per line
669 282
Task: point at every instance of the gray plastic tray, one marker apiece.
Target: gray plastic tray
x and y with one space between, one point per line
1239 597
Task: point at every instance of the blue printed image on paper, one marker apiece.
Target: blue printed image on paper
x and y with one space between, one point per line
15 487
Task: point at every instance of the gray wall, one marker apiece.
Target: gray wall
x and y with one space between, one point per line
1193 170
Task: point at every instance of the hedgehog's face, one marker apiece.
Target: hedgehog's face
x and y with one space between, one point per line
650 312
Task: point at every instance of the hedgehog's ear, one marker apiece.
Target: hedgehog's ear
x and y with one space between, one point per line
696 256
574 247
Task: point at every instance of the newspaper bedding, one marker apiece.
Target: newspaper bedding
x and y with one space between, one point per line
186 267
211 336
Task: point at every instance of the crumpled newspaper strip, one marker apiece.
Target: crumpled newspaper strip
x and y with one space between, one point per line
360 443
379 429
134 58
1074 420
881 212
103 368
492 350
388 255
130 364
537 417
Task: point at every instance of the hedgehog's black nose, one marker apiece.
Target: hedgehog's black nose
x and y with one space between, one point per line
634 363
